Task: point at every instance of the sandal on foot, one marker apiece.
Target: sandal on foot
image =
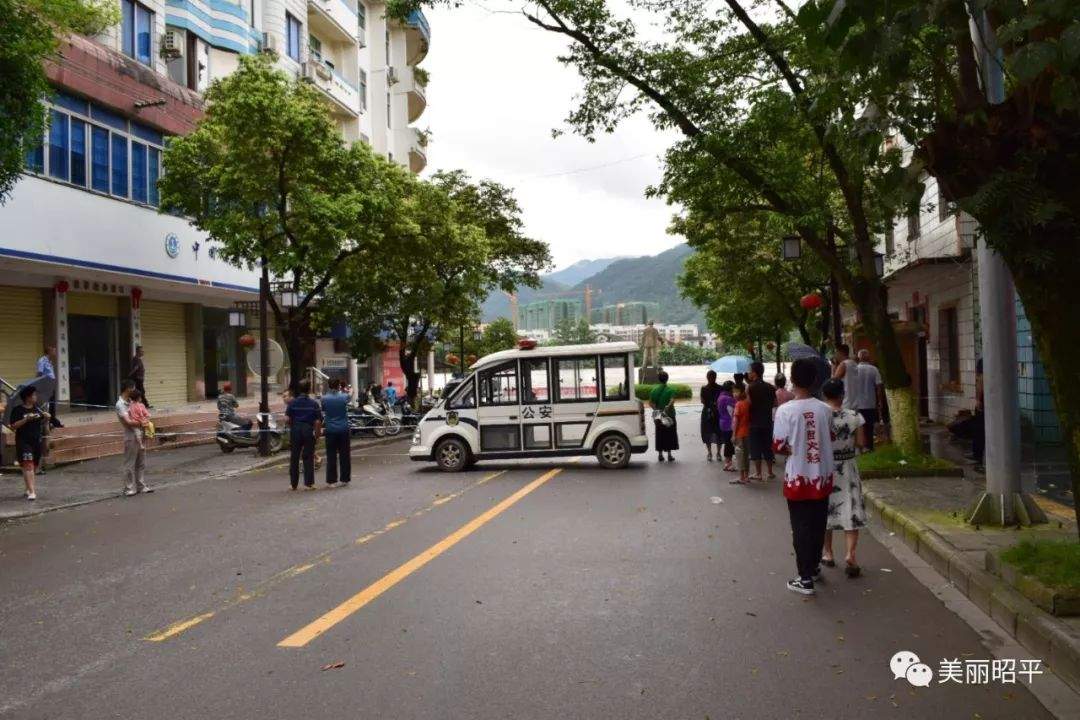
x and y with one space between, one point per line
828 562
852 570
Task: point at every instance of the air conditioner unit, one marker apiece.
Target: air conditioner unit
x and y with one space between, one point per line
391 75
307 71
271 43
316 73
172 43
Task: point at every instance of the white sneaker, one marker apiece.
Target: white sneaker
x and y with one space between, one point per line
31 496
129 493
146 489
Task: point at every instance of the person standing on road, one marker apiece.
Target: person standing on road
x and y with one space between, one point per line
725 412
803 431
762 402
847 511
134 453
710 425
390 394
304 417
846 370
868 391
335 407
26 422
782 393
662 401
138 374
740 429
46 367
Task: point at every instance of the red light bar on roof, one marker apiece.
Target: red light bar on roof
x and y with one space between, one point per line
526 344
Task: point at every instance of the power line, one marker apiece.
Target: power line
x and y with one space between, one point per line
586 169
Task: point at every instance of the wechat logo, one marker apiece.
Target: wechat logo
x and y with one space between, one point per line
906 664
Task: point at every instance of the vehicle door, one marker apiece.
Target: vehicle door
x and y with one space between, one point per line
498 411
537 420
575 398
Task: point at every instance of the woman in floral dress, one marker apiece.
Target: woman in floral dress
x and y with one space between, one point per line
846 509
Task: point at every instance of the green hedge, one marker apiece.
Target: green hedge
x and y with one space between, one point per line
682 392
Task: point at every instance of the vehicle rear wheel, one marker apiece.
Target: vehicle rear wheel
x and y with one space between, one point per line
226 448
452 455
393 426
378 429
277 441
613 452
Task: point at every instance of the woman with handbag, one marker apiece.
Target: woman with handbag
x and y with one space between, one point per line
662 402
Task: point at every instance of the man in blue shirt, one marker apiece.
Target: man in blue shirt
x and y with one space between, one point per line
46 367
335 407
390 394
304 417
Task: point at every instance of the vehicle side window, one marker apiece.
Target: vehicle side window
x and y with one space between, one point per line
616 377
499 385
575 379
465 398
534 381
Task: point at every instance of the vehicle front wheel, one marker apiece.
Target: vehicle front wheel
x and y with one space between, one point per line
452 455
393 426
277 441
226 448
613 452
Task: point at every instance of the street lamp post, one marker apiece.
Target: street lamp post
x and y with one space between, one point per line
264 360
792 250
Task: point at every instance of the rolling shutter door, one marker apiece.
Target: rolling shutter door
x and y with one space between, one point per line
24 333
164 342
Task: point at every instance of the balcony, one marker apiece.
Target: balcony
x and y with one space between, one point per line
343 95
417 37
418 141
334 20
414 87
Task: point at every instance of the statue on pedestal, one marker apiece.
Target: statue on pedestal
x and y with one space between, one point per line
650 346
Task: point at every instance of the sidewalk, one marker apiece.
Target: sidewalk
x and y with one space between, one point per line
927 513
93 480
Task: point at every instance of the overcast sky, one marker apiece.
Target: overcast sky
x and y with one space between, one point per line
496 93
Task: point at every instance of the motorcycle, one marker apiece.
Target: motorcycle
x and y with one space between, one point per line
375 419
409 417
232 434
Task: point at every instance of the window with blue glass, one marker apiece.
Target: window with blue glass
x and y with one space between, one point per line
136 31
119 165
58 145
293 33
99 159
138 172
78 152
95 148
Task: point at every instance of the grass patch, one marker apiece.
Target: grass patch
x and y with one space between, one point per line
888 460
1054 563
682 392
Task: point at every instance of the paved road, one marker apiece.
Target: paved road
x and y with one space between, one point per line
591 594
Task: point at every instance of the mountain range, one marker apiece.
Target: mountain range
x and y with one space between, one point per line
650 278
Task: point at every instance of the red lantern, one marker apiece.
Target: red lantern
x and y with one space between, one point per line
61 287
470 359
136 297
247 340
452 359
812 301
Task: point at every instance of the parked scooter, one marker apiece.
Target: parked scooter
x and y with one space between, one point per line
232 434
374 419
409 417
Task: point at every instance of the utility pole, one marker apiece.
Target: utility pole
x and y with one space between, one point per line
1003 502
264 361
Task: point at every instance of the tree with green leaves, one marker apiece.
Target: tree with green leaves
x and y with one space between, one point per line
749 293
767 117
29 36
572 332
1009 161
499 334
268 177
459 240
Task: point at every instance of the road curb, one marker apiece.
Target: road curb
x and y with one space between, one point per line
1046 637
267 464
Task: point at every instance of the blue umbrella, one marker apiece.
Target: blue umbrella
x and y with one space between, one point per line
731 364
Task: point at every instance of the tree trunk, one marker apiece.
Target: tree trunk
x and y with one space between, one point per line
1050 294
407 359
903 405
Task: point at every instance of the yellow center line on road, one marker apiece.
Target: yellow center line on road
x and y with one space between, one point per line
288 573
309 632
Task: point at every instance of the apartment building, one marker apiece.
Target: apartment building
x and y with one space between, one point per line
931 272
91 266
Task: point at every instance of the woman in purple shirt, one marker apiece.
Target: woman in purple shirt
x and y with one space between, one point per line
725 411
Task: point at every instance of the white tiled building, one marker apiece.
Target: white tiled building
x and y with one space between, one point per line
90 265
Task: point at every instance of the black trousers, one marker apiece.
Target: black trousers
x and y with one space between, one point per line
301 446
870 419
338 457
808 533
978 436
725 441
